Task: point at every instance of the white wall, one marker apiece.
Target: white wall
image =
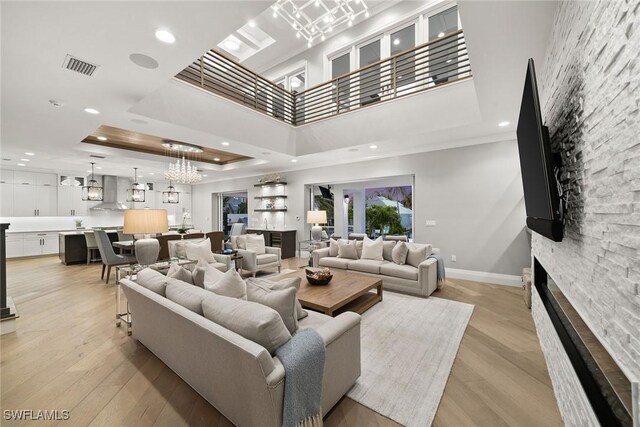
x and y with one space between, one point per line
474 194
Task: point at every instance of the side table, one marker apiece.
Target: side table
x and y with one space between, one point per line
309 246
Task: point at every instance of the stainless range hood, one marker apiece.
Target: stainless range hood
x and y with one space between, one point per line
110 192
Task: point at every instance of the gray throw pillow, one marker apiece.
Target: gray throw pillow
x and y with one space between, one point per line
283 284
282 300
399 253
179 272
253 321
229 285
152 280
417 254
186 295
198 276
387 249
333 248
347 249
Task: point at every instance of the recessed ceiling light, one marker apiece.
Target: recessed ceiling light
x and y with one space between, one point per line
440 34
204 176
504 123
216 159
373 147
89 171
396 42
165 36
30 154
151 173
91 110
252 24
25 160
232 45
21 164
225 143
98 167
102 138
144 61
294 160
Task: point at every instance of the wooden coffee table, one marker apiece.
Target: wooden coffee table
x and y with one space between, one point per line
347 291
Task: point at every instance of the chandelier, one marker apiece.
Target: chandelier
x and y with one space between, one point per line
171 195
315 19
92 192
181 170
136 193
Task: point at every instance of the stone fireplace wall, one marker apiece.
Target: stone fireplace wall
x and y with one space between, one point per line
590 95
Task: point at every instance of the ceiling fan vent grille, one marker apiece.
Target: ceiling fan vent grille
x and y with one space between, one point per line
79 66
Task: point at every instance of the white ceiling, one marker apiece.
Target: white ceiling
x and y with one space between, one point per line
36 36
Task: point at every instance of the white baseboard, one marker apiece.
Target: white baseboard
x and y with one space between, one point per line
484 276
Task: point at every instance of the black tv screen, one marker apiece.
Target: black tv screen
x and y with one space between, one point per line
326 193
541 196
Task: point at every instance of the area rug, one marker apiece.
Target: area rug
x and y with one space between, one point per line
408 347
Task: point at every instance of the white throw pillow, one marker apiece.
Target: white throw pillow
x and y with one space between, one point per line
229 285
281 300
399 253
199 251
179 272
209 274
372 249
333 248
239 242
255 243
347 249
179 251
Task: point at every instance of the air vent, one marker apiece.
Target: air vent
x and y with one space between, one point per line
95 156
79 66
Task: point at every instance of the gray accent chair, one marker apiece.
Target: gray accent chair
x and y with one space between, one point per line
222 262
108 255
253 262
92 246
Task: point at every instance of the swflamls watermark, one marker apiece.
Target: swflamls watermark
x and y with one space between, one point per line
36 414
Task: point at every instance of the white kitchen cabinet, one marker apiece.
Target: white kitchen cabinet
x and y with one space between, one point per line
6 199
32 246
47 200
25 178
70 201
14 244
50 244
47 179
6 176
24 199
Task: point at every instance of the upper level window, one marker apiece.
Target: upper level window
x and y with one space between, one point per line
442 23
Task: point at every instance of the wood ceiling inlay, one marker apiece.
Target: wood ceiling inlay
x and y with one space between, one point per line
133 141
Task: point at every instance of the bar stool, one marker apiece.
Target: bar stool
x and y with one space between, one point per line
92 245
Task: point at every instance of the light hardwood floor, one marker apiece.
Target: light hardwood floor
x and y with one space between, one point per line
68 354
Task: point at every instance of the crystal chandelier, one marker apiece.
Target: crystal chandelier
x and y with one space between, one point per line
92 192
183 172
315 19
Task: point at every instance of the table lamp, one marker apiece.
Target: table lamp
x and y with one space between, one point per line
316 218
148 222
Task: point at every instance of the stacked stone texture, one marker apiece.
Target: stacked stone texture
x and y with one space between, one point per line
590 96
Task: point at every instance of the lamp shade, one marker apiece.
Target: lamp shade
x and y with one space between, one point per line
316 217
145 221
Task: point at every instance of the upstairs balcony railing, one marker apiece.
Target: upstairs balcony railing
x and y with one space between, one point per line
432 64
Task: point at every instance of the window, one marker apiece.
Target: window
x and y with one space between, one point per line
401 41
389 211
323 201
341 65
443 62
369 79
234 209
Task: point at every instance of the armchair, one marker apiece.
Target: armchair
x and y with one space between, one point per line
176 250
254 262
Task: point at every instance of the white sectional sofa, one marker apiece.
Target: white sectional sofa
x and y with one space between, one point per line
239 377
421 280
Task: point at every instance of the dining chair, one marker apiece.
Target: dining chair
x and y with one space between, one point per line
164 244
193 236
92 246
108 255
217 240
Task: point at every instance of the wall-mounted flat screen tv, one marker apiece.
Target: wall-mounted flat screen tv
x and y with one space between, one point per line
538 164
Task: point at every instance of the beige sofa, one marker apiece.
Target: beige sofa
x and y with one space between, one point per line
238 376
421 280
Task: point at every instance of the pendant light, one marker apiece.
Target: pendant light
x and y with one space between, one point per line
136 193
92 192
171 195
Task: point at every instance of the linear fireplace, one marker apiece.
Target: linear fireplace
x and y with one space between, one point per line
607 388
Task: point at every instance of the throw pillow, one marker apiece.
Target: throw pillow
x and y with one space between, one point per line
253 321
152 280
179 272
209 273
200 251
387 249
186 295
282 300
283 284
416 254
333 248
197 276
255 243
399 253
347 249
239 242
359 244
372 249
179 251
229 285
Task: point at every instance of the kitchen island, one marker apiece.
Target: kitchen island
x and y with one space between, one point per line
73 246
